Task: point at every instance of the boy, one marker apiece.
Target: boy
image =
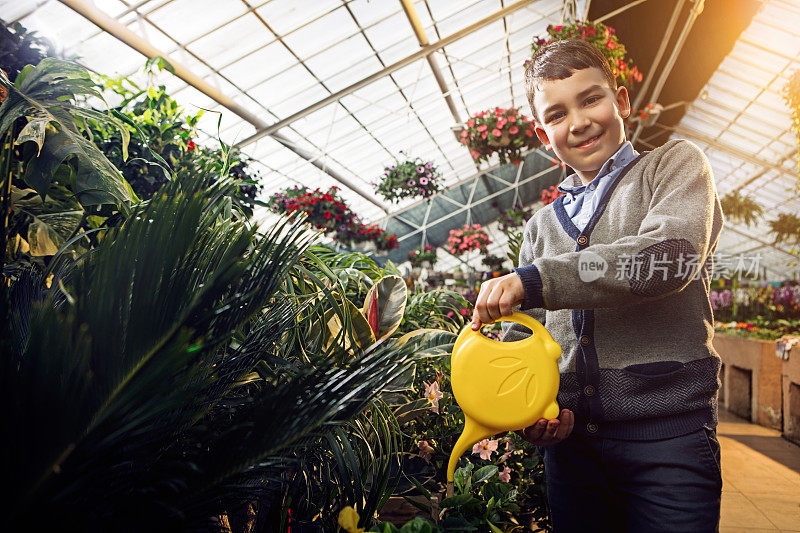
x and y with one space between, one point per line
618 271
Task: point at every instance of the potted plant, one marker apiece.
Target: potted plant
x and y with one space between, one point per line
505 132
740 208
603 38
410 179
466 239
422 257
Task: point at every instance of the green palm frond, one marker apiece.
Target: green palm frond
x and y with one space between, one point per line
131 399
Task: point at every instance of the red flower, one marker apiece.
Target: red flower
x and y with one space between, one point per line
190 146
327 214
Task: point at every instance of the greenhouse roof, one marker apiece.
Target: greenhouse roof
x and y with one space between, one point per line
327 92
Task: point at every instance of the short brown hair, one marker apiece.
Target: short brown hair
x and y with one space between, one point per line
559 60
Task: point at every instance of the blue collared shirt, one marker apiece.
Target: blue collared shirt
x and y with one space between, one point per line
580 201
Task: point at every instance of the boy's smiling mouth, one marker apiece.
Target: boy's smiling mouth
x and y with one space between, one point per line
588 143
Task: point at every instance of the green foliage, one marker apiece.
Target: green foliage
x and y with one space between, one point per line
791 95
409 179
131 388
786 228
20 47
162 141
740 208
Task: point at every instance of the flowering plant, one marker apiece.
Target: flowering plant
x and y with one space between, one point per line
426 253
468 238
515 217
327 211
550 194
603 38
409 179
503 131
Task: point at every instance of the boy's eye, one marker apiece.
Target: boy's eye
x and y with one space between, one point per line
592 99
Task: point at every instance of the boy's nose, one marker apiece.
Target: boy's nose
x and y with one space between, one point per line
578 124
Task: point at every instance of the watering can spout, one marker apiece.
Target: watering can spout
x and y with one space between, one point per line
472 433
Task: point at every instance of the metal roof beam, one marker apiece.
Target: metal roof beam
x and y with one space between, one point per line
425 51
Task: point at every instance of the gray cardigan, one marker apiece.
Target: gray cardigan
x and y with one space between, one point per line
627 298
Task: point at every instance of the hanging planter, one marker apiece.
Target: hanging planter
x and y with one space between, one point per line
412 178
550 194
791 93
601 37
328 212
505 132
740 209
466 239
420 256
786 228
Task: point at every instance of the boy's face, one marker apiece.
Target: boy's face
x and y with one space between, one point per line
581 119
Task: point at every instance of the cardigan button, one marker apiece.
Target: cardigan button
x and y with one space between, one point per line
585 340
582 240
589 390
591 427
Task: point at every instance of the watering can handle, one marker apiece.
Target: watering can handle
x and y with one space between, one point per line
529 322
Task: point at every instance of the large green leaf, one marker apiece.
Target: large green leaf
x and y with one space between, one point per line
47 232
44 94
362 333
384 305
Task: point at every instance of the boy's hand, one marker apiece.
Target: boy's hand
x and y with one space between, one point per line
546 432
496 299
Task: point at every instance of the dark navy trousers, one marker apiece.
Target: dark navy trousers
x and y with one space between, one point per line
598 484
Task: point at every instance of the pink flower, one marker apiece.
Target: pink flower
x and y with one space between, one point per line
434 395
496 132
485 448
425 450
482 127
505 475
423 181
505 456
513 129
483 135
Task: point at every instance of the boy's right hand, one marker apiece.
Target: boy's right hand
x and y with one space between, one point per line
546 432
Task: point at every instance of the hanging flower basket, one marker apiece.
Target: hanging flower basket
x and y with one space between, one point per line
325 210
420 256
603 38
410 179
786 228
740 209
370 237
550 194
328 212
466 239
505 132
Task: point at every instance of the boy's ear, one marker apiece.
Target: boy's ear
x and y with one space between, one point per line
542 135
623 101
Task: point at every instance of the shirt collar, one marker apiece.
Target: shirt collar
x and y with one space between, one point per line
573 184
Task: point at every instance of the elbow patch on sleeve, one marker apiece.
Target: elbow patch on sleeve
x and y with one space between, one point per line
662 267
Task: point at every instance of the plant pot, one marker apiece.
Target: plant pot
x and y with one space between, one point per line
504 140
426 264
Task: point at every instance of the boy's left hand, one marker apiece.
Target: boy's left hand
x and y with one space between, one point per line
496 299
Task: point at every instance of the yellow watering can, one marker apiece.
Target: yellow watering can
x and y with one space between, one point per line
502 386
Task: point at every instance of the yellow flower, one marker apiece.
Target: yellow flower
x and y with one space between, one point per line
348 520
